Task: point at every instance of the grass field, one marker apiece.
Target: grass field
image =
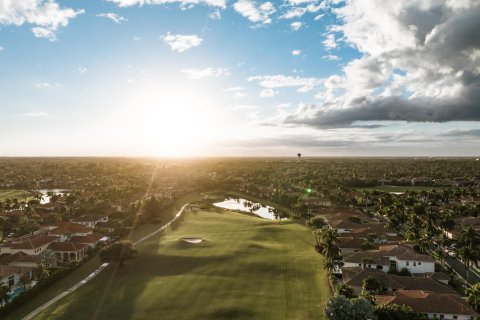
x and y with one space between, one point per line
401 188
10 194
247 268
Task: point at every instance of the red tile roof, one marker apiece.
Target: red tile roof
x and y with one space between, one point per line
91 238
33 242
69 228
425 302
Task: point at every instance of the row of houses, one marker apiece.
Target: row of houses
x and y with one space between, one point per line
425 290
68 241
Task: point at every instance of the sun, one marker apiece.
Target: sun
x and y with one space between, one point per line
169 120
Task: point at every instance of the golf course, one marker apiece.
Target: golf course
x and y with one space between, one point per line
211 264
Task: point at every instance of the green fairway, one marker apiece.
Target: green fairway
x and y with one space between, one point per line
246 268
11 194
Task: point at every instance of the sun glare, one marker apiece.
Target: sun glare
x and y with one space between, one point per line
169 120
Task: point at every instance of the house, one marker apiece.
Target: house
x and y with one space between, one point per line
19 259
69 251
392 256
66 230
354 277
434 305
31 245
367 259
349 245
91 240
402 256
91 220
106 227
11 275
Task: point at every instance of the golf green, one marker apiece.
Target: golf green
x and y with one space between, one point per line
244 268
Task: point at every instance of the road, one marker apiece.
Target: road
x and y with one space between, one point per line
459 268
96 272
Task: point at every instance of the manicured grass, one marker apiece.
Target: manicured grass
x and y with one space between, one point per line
247 268
83 271
11 194
401 188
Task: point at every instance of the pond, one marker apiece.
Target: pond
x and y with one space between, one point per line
244 205
46 199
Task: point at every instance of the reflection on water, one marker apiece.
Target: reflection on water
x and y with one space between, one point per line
244 205
45 194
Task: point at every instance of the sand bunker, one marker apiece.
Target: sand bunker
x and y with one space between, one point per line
192 240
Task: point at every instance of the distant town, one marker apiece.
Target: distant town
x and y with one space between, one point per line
394 238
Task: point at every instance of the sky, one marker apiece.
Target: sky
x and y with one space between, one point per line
239 78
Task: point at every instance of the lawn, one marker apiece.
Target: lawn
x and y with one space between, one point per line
247 268
11 193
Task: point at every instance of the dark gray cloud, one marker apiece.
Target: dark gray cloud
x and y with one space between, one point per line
436 45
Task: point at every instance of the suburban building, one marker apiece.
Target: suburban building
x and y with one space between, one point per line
91 220
66 230
31 245
354 277
69 251
11 275
434 305
392 256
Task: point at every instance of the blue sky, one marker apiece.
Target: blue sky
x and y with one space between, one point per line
215 77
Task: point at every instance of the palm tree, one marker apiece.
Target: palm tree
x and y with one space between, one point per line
4 293
25 281
41 273
468 248
328 240
371 285
473 295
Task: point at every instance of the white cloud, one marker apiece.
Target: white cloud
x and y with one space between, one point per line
282 81
215 15
81 70
196 74
233 89
295 12
330 42
1 49
254 12
135 38
331 57
182 3
113 16
296 52
296 25
180 42
42 85
34 114
238 95
268 93
40 32
45 15
318 17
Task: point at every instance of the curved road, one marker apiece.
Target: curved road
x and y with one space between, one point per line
100 269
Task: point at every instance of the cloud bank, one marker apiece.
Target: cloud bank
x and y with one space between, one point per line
420 63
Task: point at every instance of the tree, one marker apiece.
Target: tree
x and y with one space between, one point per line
361 309
328 241
397 312
25 281
47 258
316 222
473 295
4 293
118 252
338 308
468 248
345 290
371 285
40 273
